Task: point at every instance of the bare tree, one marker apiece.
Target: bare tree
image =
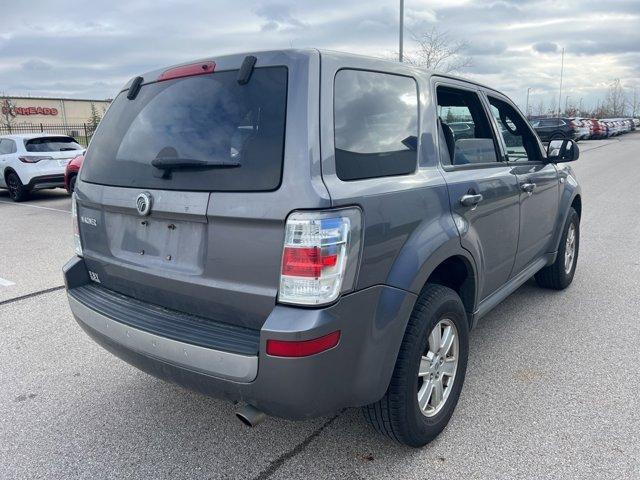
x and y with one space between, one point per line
615 102
7 112
438 51
571 110
635 103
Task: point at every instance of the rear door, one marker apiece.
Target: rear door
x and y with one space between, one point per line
208 154
483 190
537 181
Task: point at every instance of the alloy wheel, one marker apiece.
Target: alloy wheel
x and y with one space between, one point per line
570 249
13 186
438 367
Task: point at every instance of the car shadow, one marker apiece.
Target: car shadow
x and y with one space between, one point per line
39 196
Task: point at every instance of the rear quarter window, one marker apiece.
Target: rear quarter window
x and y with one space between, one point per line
375 124
7 146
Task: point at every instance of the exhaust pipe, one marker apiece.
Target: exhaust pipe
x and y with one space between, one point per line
250 415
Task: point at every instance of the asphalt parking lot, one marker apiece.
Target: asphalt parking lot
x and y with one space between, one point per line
552 387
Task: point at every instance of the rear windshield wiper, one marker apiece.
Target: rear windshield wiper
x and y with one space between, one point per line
173 163
169 164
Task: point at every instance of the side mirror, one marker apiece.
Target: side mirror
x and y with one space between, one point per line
560 151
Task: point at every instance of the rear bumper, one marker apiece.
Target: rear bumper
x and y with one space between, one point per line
356 372
46 181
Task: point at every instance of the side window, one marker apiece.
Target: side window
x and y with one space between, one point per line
375 124
464 127
7 146
520 142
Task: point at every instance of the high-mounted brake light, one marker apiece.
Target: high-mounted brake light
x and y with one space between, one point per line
187 71
320 256
303 348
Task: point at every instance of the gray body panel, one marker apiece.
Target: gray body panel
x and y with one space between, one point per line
200 266
221 260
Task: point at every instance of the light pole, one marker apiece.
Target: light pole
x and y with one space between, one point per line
401 29
526 111
561 73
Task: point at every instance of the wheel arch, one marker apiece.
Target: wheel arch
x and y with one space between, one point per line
5 175
458 273
571 198
433 253
576 203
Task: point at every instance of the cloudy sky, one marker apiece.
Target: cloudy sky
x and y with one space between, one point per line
89 49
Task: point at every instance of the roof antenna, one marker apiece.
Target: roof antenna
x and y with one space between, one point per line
134 88
244 75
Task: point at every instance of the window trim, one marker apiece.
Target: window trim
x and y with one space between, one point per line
469 87
503 146
333 126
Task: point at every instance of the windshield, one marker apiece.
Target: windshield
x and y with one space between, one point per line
51 144
201 119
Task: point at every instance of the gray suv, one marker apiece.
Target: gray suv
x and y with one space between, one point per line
301 231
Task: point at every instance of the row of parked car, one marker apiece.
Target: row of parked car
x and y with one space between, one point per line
558 128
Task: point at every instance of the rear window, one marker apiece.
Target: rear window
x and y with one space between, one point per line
206 118
52 144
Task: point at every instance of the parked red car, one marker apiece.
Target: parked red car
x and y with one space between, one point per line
598 130
71 172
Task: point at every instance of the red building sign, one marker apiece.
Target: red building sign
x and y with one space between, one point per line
31 111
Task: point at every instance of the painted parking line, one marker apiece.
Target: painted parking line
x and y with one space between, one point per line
36 206
5 283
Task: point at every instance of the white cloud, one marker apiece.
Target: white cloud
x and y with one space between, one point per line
92 48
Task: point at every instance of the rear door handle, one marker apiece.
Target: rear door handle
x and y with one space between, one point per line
471 200
528 187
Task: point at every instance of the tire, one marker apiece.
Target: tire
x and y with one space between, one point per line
398 414
557 276
557 136
17 191
72 184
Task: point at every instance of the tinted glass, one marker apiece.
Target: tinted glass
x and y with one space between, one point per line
520 142
52 144
7 146
376 124
206 118
465 131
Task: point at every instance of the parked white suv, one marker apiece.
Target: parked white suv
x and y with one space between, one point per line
34 161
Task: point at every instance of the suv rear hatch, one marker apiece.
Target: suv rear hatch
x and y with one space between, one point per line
51 152
210 154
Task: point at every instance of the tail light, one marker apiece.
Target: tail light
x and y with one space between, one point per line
76 227
33 158
320 256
